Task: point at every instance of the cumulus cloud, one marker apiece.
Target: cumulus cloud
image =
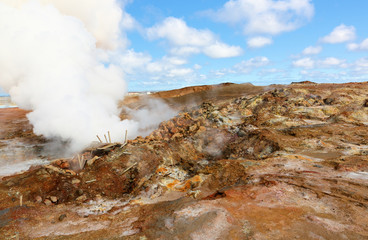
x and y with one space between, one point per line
197 66
258 42
363 46
340 34
132 61
304 63
185 40
251 64
222 50
309 63
265 16
312 50
167 67
331 61
360 66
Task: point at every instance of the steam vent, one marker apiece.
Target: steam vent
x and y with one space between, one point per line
239 162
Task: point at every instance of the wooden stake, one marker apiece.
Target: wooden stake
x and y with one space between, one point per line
106 138
21 200
108 132
126 135
99 139
126 170
79 160
82 162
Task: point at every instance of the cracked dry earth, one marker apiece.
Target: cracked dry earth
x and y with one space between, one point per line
287 162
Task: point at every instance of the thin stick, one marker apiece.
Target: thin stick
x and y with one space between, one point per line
90 181
106 138
99 139
126 135
82 162
108 132
21 200
126 170
79 161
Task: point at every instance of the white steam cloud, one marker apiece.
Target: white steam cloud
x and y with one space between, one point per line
52 57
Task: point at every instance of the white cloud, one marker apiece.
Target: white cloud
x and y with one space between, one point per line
179 72
257 42
309 63
311 50
131 61
337 70
358 47
340 34
185 40
304 63
174 60
184 51
251 64
140 66
197 66
178 33
361 66
331 61
222 50
265 16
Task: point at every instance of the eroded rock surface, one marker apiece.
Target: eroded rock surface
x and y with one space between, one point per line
290 162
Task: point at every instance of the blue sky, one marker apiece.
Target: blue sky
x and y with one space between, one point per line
169 44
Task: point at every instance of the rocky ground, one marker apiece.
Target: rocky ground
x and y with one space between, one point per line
238 162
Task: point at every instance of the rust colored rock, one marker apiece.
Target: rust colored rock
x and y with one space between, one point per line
75 181
38 199
65 165
81 198
53 199
177 135
47 202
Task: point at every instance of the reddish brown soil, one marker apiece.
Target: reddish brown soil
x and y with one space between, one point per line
14 124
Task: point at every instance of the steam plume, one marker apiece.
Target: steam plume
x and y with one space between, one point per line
52 62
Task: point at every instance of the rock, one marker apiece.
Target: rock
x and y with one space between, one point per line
80 192
53 199
202 129
330 110
328 101
10 184
61 217
75 181
246 112
47 202
81 198
38 199
65 165
365 103
193 128
241 133
177 135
